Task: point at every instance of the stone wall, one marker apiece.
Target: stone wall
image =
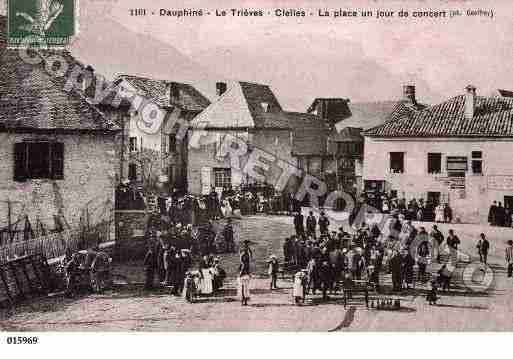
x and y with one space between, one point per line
274 142
130 240
90 167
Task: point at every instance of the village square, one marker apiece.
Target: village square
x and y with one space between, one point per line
143 204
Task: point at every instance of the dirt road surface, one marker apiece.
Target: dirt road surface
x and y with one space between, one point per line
130 308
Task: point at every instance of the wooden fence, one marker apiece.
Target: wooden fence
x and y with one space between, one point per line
54 245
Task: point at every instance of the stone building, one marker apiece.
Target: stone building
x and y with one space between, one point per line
247 111
342 156
156 157
58 151
454 152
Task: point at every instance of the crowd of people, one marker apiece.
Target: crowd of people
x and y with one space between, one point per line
248 200
418 210
172 247
329 260
499 215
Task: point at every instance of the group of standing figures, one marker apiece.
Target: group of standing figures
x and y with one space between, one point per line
338 258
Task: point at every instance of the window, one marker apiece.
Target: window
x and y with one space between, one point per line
345 164
349 148
222 177
434 162
456 164
38 160
132 172
133 144
396 162
477 162
172 143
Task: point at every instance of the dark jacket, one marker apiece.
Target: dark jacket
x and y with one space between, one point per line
311 223
299 221
323 223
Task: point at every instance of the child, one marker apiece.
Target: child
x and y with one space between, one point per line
189 291
273 270
432 296
299 287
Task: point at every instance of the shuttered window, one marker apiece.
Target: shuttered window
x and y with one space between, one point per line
38 160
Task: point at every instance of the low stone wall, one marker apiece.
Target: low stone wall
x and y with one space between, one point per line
130 239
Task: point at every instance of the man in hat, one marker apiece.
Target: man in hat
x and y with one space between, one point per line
169 263
150 263
482 248
311 224
228 236
273 271
453 242
323 223
219 274
492 214
244 277
299 224
287 250
326 279
437 239
509 258
178 277
396 269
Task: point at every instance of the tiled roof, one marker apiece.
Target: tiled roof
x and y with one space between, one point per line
32 99
493 117
505 93
366 115
158 91
242 106
256 95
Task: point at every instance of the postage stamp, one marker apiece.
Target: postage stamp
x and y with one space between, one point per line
47 23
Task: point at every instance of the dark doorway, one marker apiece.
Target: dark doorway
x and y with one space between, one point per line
508 201
433 198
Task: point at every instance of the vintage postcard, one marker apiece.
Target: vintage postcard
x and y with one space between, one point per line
255 166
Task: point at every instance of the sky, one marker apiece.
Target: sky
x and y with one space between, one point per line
363 59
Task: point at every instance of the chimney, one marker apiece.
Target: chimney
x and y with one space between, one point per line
409 94
220 88
174 93
470 102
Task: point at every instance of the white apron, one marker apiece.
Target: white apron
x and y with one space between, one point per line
244 287
207 282
298 286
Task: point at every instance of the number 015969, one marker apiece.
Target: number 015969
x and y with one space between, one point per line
22 340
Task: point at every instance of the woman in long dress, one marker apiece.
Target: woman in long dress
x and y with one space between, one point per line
206 282
244 278
439 213
299 287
